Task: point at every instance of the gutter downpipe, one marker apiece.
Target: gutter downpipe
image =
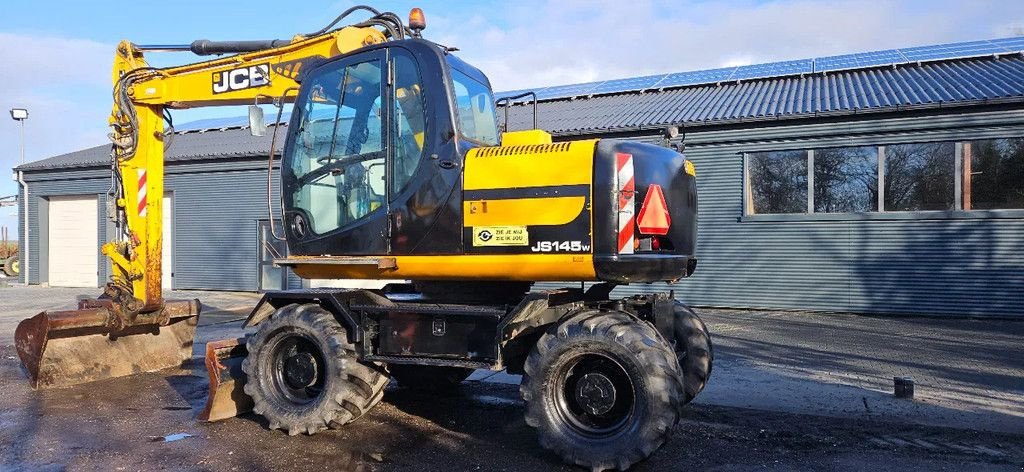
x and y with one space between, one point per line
23 258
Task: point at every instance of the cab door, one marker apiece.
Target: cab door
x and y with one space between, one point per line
334 175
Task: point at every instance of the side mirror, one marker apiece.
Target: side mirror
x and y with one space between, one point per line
257 127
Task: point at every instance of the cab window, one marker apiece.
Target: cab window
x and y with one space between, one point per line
409 120
476 109
337 156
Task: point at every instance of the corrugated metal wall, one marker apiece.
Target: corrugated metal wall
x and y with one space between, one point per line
924 263
216 208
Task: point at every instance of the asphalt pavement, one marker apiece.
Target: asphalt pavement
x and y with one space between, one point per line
790 391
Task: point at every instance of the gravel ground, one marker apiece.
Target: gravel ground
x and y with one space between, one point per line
790 391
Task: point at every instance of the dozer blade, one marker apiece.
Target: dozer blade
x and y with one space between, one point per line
64 348
227 398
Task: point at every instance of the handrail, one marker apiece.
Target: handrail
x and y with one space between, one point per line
509 101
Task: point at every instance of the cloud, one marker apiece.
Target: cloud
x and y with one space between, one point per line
31 62
65 85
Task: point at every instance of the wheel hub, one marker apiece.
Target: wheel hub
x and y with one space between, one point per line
595 392
300 370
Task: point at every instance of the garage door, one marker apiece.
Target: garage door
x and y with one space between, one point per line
73 242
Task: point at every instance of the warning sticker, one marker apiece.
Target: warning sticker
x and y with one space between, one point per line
500 236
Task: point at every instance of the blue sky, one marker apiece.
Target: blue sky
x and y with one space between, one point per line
55 55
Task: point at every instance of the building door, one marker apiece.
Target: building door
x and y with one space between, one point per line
73 249
271 277
167 259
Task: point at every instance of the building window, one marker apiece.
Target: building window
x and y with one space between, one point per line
993 174
984 174
920 176
846 180
776 182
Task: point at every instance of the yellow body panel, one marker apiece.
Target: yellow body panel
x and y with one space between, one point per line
525 137
522 211
513 267
536 165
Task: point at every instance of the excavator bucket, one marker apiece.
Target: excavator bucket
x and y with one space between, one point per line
226 398
64 348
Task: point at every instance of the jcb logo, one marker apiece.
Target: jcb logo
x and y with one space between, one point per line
241 78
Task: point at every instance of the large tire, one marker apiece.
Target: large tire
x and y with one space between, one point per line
603 389
11 266
429 378
302 372
694 350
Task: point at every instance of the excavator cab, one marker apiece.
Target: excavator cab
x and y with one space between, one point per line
374 151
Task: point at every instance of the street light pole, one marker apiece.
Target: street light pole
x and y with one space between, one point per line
22 141
20 114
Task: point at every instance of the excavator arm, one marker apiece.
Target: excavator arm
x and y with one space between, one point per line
142 97
130 328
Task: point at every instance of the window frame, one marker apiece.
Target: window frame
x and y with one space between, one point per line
748 196
957 213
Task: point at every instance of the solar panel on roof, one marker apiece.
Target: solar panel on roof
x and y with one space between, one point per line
567 90
851 61
1010 44
696 77
634 83
942 51
782 68
213 123
802 66
229 122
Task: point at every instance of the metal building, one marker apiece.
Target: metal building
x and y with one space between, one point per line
884 182
215 215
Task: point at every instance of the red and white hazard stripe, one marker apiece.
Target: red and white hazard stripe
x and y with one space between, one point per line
142 193
626 187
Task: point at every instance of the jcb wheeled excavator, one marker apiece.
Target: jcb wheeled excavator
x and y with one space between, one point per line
393 167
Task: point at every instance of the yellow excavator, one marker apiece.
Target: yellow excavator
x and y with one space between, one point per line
393 167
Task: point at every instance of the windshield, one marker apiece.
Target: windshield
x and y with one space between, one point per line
477 120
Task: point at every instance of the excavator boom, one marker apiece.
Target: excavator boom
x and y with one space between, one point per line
130 328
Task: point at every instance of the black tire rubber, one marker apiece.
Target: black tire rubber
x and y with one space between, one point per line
694 349
351 388
9 266
429 377
643 355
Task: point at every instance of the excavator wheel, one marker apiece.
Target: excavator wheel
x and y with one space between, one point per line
694 350
302 372
603 389
429 378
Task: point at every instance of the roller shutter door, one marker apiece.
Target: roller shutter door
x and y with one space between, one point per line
73 242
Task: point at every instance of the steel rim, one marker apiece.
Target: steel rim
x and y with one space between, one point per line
299 368
594 395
